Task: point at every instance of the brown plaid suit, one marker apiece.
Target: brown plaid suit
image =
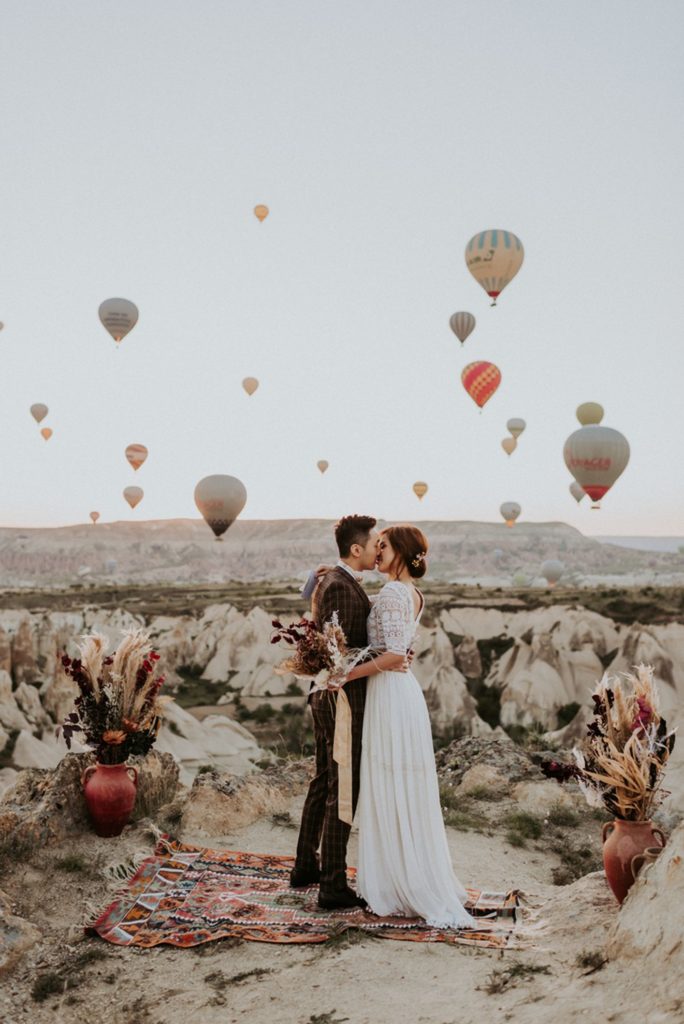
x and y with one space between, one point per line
339 592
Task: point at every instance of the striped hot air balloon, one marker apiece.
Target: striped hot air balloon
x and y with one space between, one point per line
136 455
462 324
481 381
494 257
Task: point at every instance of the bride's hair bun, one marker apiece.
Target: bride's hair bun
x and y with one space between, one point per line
410 546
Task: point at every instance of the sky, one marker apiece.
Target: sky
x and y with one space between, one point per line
138 137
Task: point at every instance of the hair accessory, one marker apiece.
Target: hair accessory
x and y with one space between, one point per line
418 559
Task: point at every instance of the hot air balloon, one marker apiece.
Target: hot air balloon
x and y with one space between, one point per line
462 324
596 456
1 325
577 491
481 381
39 412
46 433
133 495
250 384
494 258
118 316
509 444
515 427
94 516
589 413
220 499
136 455
510 510
552 570
261 212
322 465
420 489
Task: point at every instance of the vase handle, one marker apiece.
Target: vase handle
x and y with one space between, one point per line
605 830
86 773
659 832
637 864
130 768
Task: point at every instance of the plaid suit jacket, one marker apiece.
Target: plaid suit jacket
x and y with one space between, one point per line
339 592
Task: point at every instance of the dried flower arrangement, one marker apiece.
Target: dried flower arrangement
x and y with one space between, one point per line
319 654
118 708
621 763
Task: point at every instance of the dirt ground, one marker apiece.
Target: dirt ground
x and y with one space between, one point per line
359 980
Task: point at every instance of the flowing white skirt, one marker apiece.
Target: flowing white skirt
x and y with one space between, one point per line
404 866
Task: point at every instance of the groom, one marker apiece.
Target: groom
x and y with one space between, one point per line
339 591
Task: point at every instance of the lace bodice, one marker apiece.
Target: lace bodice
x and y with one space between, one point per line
391 623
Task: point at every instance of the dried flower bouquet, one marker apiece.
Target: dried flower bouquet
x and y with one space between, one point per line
118 708
621 763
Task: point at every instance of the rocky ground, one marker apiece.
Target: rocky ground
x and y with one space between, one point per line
577 955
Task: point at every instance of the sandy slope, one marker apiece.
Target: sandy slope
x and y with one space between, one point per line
367 982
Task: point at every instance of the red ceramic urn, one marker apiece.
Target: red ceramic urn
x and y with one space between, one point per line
109 791
623 840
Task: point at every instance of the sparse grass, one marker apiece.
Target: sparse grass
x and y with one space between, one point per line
205 769
220 981
50 983
72 863
484 793
326 1018
591 961
466 821
283 819
500 981
563 816
529 826
575 862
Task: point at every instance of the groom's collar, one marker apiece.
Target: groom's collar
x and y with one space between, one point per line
348 568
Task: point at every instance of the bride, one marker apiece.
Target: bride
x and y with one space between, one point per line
404 865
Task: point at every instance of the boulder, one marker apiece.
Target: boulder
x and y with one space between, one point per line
4 738
647 936
218 804
30 752
8 776
58 695
484 776
28 700
45 806
539 797
16 936
512 762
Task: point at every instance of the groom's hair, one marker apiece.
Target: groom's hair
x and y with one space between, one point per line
352 530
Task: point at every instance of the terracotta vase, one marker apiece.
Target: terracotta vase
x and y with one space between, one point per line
109 791
623 841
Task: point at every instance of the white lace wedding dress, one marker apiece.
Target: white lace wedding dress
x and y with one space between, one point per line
404 865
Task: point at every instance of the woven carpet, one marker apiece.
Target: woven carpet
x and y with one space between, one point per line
186 895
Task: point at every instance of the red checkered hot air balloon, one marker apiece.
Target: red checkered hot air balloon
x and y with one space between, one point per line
481 381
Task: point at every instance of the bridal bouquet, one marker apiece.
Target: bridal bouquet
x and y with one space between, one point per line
321 655
622 761
118 707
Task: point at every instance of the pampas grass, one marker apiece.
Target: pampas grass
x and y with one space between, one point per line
621 763
118 708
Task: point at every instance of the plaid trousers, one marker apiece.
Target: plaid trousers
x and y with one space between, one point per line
320 823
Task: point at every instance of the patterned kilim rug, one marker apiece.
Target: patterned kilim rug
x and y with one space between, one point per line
185 895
